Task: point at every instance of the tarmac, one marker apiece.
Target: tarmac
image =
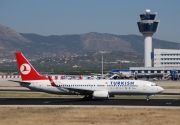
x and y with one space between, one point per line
80 102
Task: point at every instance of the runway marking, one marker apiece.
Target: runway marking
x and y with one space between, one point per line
168 103
90 106
46 102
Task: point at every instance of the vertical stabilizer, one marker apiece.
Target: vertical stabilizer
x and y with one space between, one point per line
26 70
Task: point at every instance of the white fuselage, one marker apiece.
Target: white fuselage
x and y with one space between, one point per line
114 87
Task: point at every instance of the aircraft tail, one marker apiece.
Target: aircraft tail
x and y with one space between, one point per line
26 70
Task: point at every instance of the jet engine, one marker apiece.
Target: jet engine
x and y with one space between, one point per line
101 94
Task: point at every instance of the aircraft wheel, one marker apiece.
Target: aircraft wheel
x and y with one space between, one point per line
88 97
147 98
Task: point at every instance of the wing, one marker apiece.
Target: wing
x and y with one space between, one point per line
20 82
24 84
79 91
70 89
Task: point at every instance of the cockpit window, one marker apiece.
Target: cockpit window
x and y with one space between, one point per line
154 85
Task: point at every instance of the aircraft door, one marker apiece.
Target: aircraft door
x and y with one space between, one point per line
92 86
33 84
144 86
37 85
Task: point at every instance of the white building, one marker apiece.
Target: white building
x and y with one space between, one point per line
166 58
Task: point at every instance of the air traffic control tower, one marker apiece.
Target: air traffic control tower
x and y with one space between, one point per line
148 25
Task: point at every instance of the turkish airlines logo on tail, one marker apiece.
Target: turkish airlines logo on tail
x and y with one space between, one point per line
25 69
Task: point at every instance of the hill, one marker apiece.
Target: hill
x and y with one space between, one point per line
37 45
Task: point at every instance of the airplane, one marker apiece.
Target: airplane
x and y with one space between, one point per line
121 73
91 89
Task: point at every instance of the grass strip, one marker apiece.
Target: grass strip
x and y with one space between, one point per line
88 116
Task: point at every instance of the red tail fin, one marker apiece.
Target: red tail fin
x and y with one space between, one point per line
26 70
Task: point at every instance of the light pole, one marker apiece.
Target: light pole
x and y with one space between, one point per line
102 66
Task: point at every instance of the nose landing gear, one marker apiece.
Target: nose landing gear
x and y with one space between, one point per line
148 97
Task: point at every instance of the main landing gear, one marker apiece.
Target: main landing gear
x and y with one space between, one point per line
88 97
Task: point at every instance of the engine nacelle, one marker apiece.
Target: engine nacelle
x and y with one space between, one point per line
101 94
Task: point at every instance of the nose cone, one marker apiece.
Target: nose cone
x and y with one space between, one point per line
160 89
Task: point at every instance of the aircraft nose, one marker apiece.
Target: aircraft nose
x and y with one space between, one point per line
160 89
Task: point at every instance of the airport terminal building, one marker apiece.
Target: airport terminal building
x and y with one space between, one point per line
164 60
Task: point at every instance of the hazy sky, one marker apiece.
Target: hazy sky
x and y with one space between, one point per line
61 17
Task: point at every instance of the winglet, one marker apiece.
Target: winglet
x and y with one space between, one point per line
51 81
26 70
80 77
